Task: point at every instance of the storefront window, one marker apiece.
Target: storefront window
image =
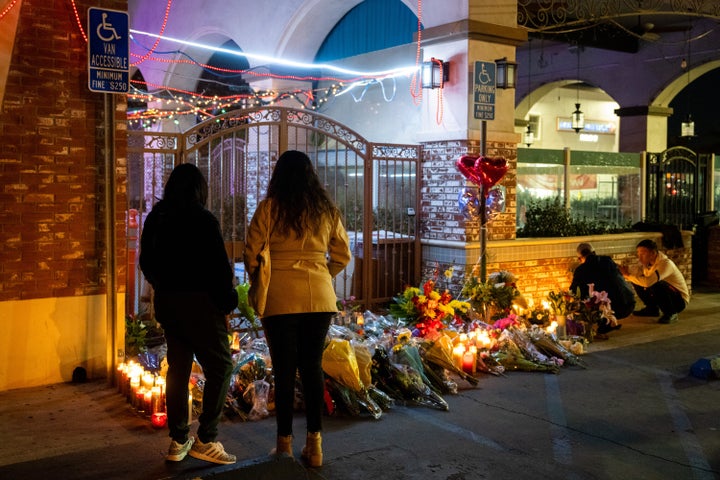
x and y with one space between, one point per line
601 187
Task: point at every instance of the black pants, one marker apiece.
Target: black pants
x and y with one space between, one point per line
296 343
194 328
661 295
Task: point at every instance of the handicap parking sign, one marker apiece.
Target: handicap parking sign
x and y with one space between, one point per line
108 51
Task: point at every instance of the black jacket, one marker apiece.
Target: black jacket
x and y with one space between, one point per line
182 250
603 272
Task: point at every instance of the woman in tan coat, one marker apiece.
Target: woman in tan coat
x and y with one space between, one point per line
308 247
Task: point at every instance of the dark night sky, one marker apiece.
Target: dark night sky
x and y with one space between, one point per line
703 98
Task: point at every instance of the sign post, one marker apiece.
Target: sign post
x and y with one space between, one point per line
108 51
484 110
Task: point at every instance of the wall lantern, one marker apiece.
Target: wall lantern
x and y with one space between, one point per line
687 128
506 76
528 136
578 119
435 73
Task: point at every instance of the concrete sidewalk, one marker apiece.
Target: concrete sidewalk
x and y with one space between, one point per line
633 413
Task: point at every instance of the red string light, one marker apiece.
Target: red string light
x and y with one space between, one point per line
415 87
7 9
439 110
157 40
77 18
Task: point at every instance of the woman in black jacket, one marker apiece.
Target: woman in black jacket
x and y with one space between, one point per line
182 255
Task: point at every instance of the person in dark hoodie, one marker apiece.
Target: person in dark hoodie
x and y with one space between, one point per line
605 276
183 257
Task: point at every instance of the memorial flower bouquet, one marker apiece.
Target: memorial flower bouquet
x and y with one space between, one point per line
429 309
594 310
495 297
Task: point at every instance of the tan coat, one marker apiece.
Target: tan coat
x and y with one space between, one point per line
302 269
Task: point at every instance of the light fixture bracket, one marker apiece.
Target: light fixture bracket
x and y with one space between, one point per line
505 73
435 73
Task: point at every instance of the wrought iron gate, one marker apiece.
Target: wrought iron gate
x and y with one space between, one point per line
374 185
676 186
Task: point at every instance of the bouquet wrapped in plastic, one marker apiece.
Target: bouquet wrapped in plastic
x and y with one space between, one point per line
439 352
549 345
511 357
403 383
250 367
345 385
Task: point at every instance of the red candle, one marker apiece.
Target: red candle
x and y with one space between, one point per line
468 362
140 399
159 419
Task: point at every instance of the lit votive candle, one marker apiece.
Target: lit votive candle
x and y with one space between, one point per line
469 361
148 380
155 405
119 373
159 419
140 399
190 402
458 352
147 402
134 386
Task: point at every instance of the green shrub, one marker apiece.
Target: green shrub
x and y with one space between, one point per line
550 218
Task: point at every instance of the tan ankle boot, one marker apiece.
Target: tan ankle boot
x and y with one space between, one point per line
283 446
312 451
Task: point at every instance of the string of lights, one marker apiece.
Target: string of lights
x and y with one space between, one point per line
150 102
7 8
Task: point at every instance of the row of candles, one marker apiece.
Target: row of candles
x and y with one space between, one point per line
467 345
145 391
465 351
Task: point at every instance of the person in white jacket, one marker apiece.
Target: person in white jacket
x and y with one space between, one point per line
658 283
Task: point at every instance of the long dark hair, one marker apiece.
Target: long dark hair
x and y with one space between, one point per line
300 202
186 187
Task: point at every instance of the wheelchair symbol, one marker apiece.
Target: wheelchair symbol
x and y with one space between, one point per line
108 31
483 75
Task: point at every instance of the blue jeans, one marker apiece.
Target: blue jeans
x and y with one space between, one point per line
296 344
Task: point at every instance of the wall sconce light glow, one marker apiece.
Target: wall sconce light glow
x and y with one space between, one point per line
435 73
506 76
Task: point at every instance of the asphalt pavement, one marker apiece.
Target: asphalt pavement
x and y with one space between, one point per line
635 412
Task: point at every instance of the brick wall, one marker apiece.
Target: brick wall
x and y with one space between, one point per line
537 278
52 226
441 218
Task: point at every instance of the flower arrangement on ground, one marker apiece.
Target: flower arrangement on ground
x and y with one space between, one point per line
428 309
495 297
582 315
593 311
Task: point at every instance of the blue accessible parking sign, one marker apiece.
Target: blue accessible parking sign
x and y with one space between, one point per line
108 51
484 91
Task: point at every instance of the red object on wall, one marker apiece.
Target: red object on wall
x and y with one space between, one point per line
132 248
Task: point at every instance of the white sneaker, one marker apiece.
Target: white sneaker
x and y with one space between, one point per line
178 451
211 452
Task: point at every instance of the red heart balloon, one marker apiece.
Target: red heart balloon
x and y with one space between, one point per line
466 164
482 171
490 170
